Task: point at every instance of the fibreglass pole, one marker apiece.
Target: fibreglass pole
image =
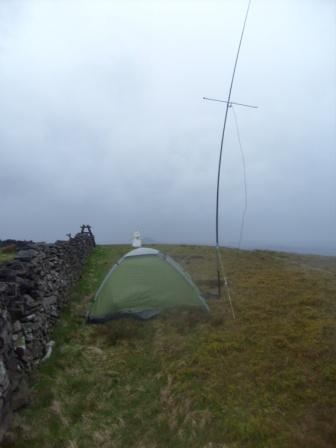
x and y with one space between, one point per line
221 149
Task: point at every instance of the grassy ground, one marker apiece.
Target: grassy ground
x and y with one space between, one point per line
266 379
6 255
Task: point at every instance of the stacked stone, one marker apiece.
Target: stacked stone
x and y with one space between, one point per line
19 244
34 288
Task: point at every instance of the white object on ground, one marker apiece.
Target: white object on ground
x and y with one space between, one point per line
136 242
49 350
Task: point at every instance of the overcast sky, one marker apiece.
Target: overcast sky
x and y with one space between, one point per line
102 120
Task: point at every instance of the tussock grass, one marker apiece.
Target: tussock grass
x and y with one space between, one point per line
188 379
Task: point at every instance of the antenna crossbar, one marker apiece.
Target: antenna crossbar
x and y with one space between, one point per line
230 102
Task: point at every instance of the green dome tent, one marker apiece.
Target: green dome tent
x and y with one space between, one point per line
142 284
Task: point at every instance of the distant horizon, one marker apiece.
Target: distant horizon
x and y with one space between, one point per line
314 250
323 250
307 249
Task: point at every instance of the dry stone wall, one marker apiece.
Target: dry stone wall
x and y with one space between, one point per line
34 287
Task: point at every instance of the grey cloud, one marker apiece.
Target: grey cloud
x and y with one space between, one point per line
102 120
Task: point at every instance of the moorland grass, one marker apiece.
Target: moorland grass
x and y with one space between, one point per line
6 255
190 379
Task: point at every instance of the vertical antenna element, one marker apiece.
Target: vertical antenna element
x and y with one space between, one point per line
228 105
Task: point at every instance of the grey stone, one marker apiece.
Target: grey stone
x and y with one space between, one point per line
30 302
24 284
17 326
17 266
26 254
29 318
54 313
7 274
3 288
12 289
4 380
20 343
29 337
48 301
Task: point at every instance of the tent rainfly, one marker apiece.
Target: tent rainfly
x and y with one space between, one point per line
142 284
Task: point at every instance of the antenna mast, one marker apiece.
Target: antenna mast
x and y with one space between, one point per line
228 105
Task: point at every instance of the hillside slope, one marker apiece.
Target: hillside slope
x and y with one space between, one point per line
187 379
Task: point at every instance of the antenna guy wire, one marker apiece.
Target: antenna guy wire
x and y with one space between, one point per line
242 225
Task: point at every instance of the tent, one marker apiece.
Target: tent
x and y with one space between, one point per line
142 284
